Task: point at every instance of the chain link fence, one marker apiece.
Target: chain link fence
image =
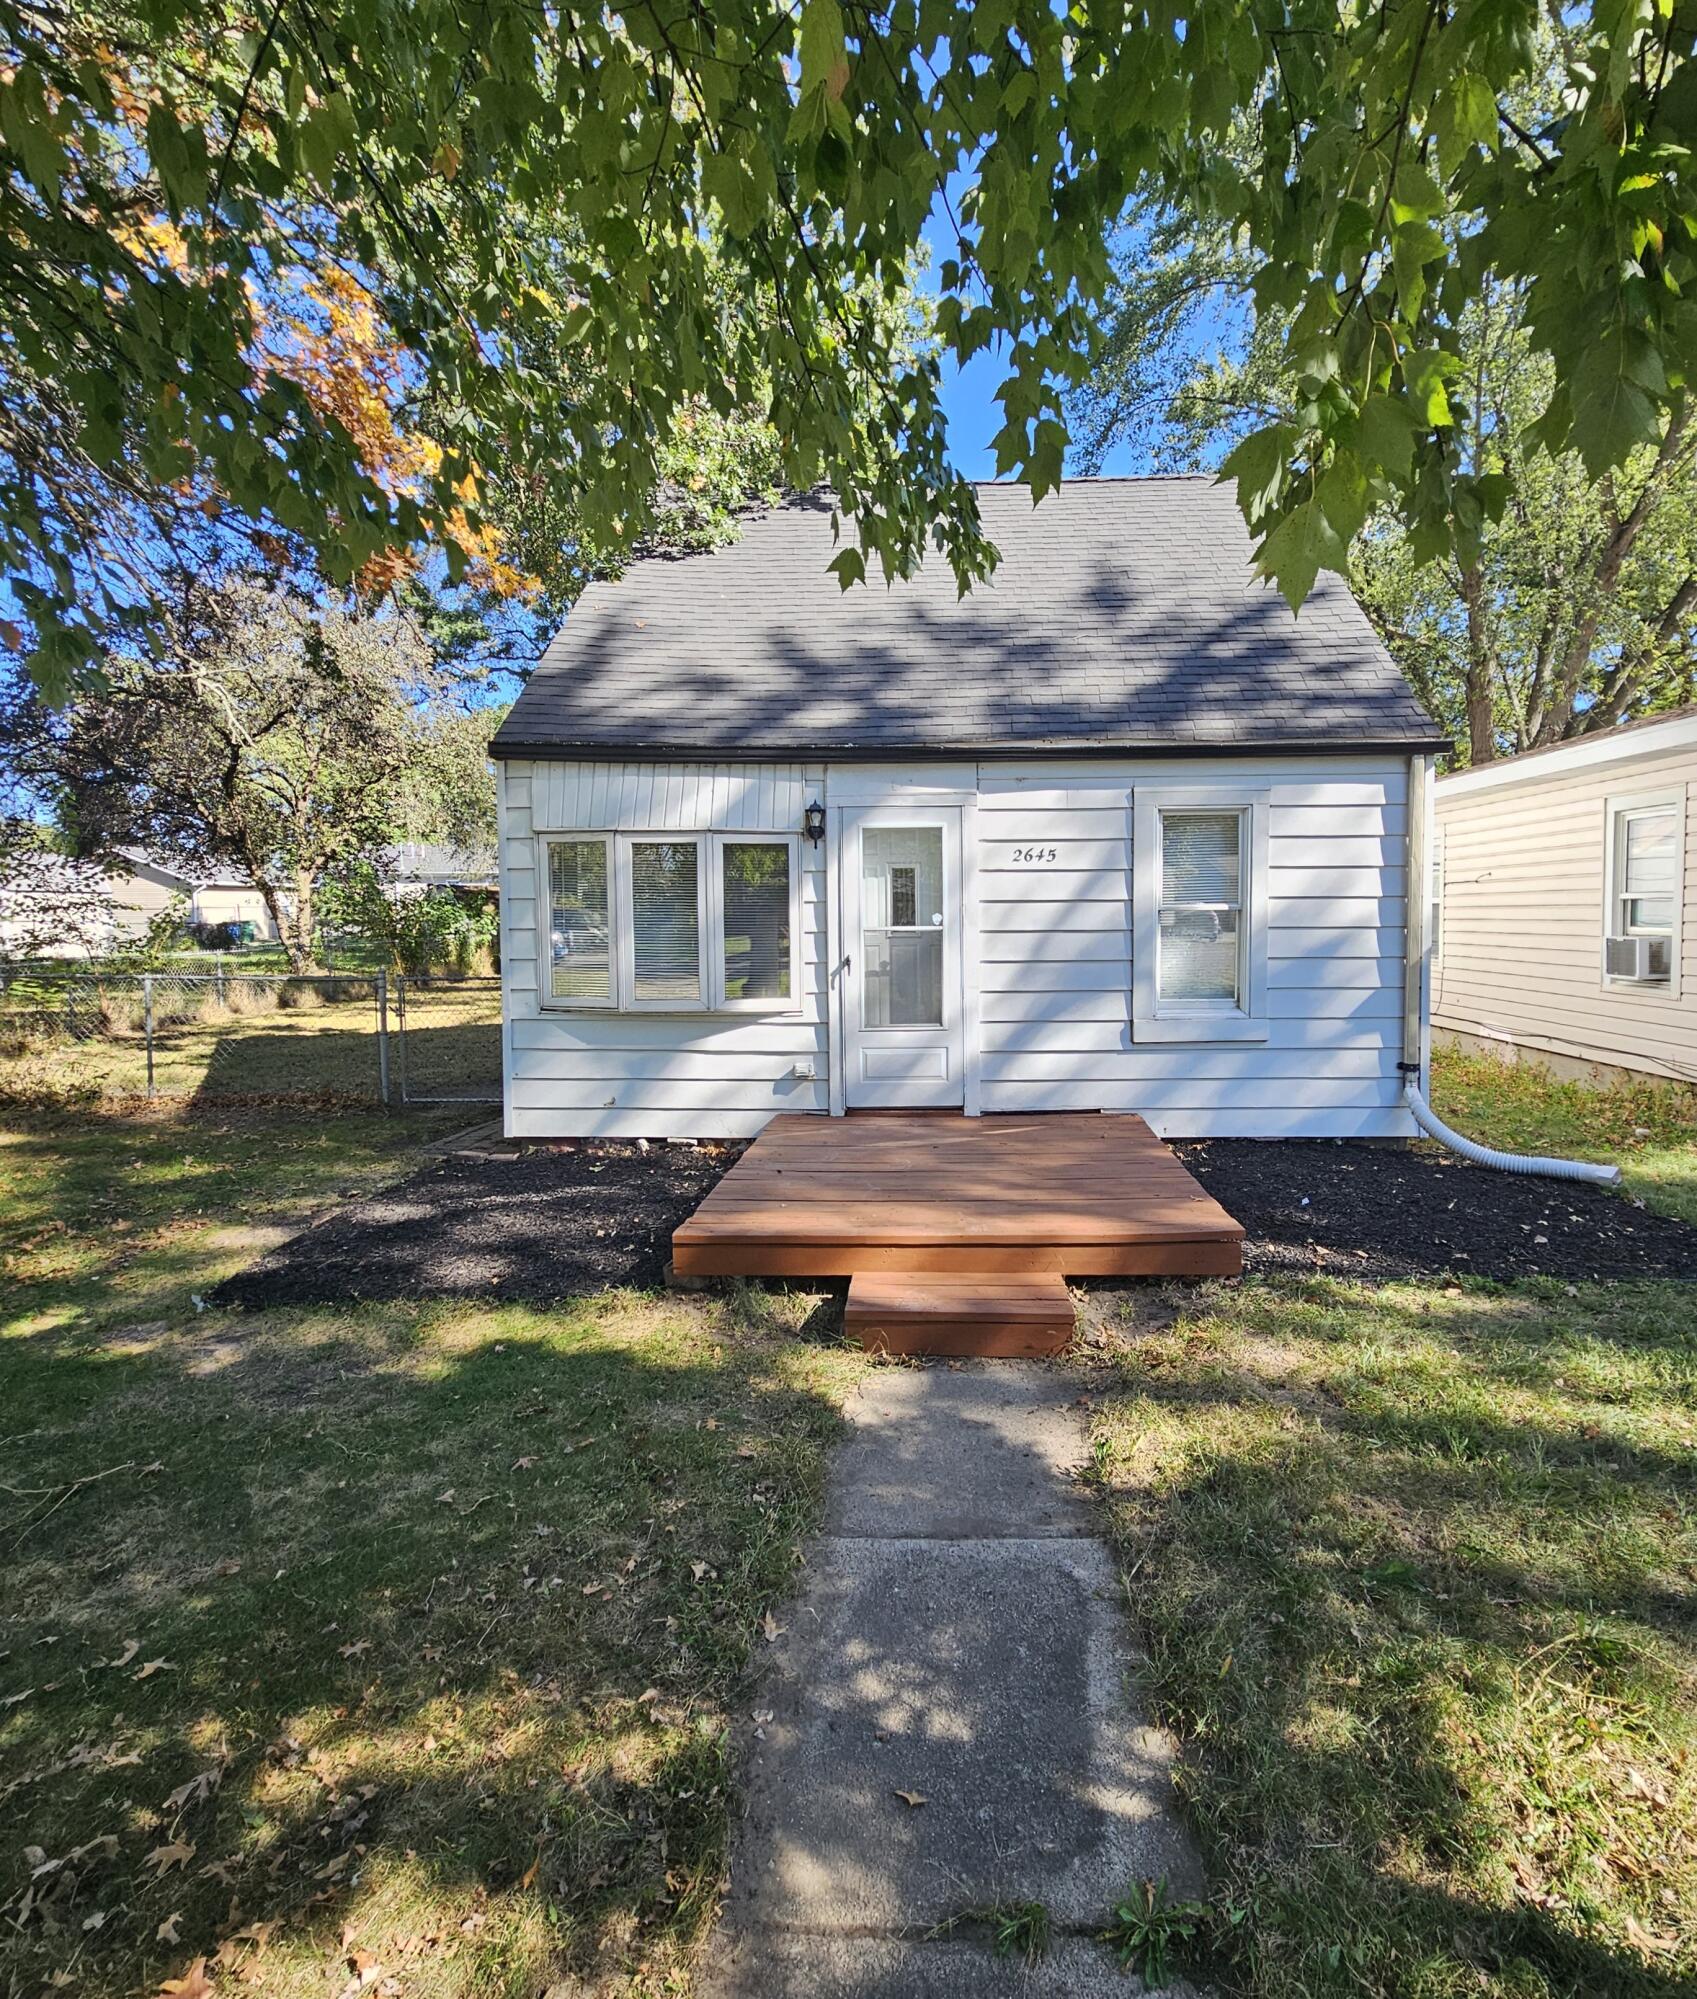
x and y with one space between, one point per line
223 1034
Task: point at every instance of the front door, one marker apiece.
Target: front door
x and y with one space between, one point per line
901 987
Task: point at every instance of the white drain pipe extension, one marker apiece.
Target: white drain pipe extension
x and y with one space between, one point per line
1508 1162
1414 1011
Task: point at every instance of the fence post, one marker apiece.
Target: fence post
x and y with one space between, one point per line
220 970
383 1037
147 1023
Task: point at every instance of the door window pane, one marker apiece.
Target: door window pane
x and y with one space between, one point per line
902 920
665 919
756 886
579 958
1200 952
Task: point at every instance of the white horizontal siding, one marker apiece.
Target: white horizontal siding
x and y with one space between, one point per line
588 1073
1055 944
1053 874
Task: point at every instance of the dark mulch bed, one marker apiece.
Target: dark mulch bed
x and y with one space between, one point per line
560 1222
1378 1212
546 1225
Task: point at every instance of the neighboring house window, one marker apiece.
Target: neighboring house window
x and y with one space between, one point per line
1199 948
1435 912
673 923
1646 872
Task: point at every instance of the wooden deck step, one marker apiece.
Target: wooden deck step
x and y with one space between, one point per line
985 1314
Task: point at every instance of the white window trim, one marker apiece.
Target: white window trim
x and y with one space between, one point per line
1616 807
624 924
710 916
1155 1019
545 926
719 1000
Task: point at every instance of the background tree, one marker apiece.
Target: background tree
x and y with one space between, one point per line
705 198
1571 603
284 740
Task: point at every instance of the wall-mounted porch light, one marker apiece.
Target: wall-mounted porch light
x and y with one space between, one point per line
813 822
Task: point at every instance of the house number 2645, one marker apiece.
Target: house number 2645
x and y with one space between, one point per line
1032 856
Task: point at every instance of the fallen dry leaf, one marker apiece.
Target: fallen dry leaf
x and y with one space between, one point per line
700 1569
523 1464
772 1629
167 1931
163 1858
229 1566
131 1647
154 1666
356 1649
194 1983
912 1799
197 1790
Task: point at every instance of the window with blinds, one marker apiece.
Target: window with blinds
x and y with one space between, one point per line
677 923
579 934
754 897
1201 908
665 920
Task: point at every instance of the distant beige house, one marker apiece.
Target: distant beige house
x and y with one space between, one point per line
1565 902
54 907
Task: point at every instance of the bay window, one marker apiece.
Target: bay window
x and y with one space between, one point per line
673 922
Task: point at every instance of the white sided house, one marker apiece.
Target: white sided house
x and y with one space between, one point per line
1115 832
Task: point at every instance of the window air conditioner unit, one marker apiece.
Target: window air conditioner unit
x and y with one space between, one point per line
1643 960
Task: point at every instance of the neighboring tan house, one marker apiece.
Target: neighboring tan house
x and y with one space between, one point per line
216 894
1565 902
55 907
1113 832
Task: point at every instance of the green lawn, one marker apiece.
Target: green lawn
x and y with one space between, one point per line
1647 1128
402 1640
1416 1567
398 1637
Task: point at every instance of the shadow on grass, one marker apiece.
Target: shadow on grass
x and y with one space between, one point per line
1415 1575
448 1608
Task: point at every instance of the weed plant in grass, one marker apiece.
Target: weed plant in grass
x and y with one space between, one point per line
1415 1567
395 1640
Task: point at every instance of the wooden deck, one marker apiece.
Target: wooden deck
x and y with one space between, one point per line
933 1194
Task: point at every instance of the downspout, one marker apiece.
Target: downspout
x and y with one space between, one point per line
1414 1012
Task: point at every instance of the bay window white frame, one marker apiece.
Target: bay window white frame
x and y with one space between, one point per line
719 999
566 1002
1619 808
710 922
1152 1017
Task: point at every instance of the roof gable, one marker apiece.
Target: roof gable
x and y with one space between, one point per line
1124 615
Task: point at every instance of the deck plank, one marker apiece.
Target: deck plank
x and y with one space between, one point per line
938 1193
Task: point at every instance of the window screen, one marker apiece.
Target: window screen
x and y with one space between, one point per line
1646 871
666 919
1201 907
580 957
755 882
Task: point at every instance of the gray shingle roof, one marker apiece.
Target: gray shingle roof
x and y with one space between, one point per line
1124 615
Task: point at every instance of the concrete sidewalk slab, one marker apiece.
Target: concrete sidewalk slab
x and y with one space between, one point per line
968 1451
987 1677
960 1636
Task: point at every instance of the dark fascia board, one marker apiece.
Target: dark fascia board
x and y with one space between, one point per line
556 752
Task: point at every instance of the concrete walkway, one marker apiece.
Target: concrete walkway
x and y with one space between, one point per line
960 1637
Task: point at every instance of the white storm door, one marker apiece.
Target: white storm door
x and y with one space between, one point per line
902 1039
